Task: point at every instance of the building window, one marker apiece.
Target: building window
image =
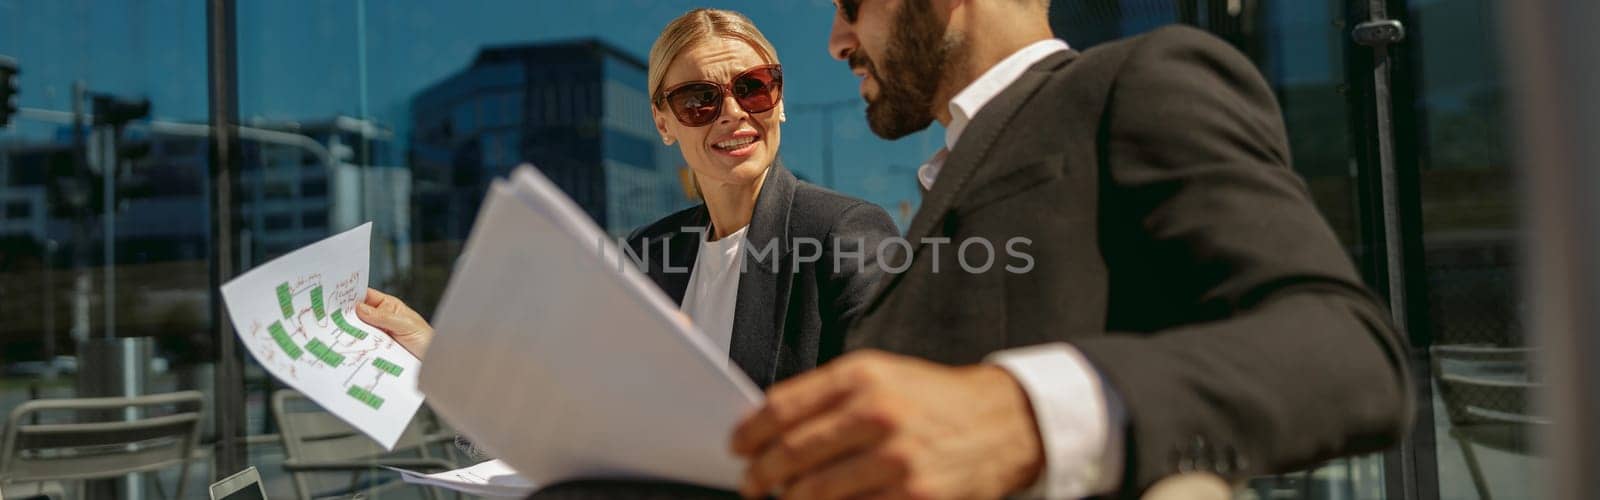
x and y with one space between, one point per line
551 104
314 220
461 118
278 190
514 107
278 222
18 210
314 187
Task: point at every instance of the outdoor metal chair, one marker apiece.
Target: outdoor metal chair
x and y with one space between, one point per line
1487 393
105 438
319 446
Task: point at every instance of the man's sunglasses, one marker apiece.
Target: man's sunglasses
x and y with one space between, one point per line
698 103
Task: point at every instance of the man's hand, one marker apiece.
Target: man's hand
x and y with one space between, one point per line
392 316
873 424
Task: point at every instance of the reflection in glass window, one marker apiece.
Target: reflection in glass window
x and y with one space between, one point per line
18 210
314 187
314 220
278 190
409 133
1470 219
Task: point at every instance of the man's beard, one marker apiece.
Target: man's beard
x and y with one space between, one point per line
916 61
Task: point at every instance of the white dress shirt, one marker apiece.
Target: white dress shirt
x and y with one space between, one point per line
1080 420
714 288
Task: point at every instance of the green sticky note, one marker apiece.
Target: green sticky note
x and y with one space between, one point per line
316 302
324 353
338 320
281 336
365 397
285 300
387 367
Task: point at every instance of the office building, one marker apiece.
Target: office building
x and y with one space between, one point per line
577 110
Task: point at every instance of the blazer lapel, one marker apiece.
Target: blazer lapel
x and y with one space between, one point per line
970 154
680 248
759 314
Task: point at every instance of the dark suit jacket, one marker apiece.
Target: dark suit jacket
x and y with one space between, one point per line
793 302
1172 245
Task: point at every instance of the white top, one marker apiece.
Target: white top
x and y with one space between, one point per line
714 287
1071 403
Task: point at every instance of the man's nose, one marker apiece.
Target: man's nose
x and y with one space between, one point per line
841 38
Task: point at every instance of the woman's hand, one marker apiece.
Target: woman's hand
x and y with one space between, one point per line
392 316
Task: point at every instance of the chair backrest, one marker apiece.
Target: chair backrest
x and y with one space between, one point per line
312 434
1487 392
106 446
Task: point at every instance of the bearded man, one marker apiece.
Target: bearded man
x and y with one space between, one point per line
1188 310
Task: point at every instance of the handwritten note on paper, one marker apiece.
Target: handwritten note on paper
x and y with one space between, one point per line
296 316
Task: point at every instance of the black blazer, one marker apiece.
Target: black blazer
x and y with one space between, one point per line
1173 246
793 302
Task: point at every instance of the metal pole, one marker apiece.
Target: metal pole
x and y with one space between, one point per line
50 309
365 160
1553 74
108 238
222 84
80 218
1393 256
133 365
1411 468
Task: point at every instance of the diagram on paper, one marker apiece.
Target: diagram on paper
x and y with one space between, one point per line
310 336
296 316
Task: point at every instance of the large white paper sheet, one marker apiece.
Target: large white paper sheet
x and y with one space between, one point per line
566 364
296 316
489 479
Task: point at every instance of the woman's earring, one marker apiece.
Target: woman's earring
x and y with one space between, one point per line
666 140
782 117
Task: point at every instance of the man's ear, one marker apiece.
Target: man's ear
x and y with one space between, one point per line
661 126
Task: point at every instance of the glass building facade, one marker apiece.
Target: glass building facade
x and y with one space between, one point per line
402 112
577 110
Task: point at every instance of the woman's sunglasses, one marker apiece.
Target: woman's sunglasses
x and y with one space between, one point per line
698 103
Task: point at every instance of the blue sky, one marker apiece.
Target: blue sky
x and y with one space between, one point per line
298 60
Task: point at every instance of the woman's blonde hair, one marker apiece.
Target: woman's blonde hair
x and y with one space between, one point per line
692 28
697 26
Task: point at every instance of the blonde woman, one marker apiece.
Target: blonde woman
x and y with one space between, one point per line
771 268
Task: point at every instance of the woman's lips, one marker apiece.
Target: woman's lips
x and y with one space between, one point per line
740 152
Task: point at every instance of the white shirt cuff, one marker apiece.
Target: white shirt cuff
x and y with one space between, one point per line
1080 420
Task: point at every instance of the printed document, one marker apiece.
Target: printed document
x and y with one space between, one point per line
556 355
489 479
296 316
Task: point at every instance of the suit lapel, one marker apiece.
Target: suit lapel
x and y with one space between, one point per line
970 154
758 315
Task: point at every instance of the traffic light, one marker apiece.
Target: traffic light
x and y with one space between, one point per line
117 111
8 89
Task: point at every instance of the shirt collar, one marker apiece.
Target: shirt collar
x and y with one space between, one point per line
972 99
